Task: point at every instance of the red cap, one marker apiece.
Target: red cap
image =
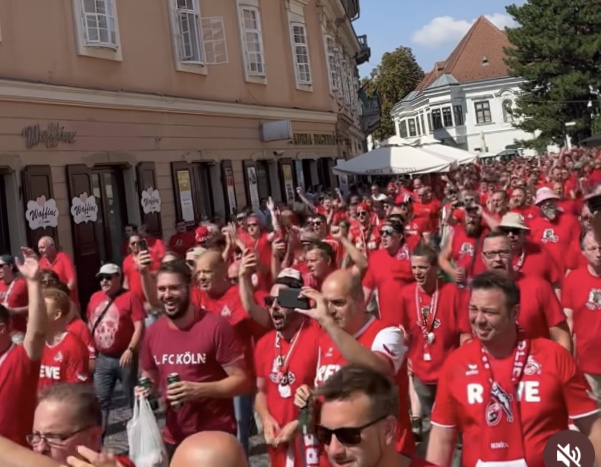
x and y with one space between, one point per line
363 207
201 234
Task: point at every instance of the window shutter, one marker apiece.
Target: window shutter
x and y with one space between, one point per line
86 255
36 181
146 175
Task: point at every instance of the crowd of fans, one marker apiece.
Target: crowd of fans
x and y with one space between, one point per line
439 320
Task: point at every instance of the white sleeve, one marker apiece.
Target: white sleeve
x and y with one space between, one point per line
391 343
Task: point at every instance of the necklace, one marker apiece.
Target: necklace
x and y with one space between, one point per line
426 320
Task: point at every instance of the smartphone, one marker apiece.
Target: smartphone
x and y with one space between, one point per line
290 298
143 245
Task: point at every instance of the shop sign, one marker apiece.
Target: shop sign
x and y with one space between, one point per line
314 139
51 136
151 200
42 213
84 209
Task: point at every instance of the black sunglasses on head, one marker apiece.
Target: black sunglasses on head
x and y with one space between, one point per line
349 436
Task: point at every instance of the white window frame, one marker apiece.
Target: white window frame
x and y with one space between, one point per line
330 47
211 40
193 17
250 75
295 55
96 48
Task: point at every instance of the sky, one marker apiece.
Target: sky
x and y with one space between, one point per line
431 28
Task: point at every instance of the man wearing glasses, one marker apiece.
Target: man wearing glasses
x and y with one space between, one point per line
364 232
116 321
540 311
67 418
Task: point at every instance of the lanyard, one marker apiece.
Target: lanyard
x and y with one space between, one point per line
8 291
426 321
520 262
282 361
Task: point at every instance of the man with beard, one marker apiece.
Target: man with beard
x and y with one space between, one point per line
553 230
519 204
540 310
285 358
460 257
528 258
203 350
389 269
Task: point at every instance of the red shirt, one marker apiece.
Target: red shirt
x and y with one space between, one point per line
15 295
63 267
582 295
538 262
262 249
229 306
180 243
157 248
574 257
385 340
551 389
133 276
449 303
556 237
527 212
463 247
414 231
539 308
114 333
358 236
79 329
196 354
18 393
65 362
388 275
429 211
300 356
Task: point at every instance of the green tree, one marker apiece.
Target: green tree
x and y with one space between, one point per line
556 48
396 76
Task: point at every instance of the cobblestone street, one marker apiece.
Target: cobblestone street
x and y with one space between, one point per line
117 434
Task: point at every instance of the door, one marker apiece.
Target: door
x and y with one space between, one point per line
86 240
4 236
263 183
229 187
36 182
203 190
146 176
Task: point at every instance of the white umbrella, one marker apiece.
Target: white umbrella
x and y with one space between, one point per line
433 146
395 160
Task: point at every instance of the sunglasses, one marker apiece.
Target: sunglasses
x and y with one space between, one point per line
252 225
513 231
386 232
362 213
316 223
269 301
346 435
106 277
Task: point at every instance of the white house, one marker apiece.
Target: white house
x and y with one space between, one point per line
467 100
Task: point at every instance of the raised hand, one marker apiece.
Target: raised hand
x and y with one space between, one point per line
30 266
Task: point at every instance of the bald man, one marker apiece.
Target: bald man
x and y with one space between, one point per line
210 449
59 262
218 295
354 337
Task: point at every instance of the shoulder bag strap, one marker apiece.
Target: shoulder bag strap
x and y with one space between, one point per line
102 315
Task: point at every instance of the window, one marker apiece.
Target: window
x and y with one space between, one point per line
447 117
188 31
436 119
333 65
507 105
483 112
213 39
412 129
301 54
252 39
99 23
339 86
458 113
403 129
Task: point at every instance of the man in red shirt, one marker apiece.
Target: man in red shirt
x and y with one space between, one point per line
540 310
203 349
65 358
389 270
507 393
20 364
353 336
182 240
66 428
60 263
116 321
13 294
364 231
358 414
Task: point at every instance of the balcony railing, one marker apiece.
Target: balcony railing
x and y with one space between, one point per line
352 8
365 53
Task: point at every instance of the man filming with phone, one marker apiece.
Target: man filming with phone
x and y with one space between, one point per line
285 358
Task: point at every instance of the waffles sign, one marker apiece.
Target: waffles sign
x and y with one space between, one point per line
41 213
84 209
151 200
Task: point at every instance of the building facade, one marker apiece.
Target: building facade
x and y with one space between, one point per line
467 100
187 112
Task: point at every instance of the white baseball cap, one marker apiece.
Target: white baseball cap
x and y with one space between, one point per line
109 269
